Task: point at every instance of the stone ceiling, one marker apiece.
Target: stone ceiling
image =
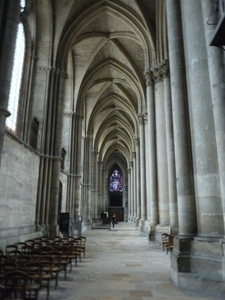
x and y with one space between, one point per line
106 48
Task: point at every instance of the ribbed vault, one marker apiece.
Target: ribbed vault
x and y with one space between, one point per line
111 45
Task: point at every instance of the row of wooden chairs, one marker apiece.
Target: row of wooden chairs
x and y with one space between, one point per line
167 242
38 261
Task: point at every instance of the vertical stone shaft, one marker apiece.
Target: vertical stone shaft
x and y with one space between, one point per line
183 160
138 202
56 163
204 151
162 173
152 180
170 149
142 167
216 67
134 186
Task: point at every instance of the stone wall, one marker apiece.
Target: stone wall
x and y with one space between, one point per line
18 191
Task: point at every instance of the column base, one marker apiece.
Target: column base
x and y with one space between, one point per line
53 230
136 221
197 265
142 227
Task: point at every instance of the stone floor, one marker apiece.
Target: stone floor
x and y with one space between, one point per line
119 265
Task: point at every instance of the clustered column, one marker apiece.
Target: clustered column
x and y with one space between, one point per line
204 148
152 167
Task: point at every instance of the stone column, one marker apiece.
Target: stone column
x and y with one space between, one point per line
147 164
182 143
75 163
204 150
152 180
142 171
180 259
59 81
217 74
100 187
10 18
138 200
85 177
132 182
94 184
172 194
162 164
129 194
134 170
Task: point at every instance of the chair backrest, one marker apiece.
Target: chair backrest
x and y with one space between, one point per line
2 258
35 270
20 246
10 248
15 284
22 260
47 263
45 249
8 266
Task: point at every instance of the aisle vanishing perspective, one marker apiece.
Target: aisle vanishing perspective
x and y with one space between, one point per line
119 265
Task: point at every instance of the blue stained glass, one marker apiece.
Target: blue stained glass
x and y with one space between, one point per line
116 182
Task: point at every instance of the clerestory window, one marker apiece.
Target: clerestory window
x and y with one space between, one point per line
15 86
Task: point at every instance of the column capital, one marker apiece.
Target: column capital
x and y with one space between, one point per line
143 118
137 140
161 71
149 77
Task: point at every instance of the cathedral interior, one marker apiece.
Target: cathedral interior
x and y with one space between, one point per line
116 106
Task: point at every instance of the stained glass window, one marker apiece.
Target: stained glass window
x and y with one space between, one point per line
14 93
116 182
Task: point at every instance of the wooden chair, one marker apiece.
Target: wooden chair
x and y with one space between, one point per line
83 244
28 248
11 247
169 245
15 284
56 266
78 240
65 260
20 246
2 258
67 254
47 263
13 255
45 250
165 240
76 251
5 268
34 270
22 260
34 255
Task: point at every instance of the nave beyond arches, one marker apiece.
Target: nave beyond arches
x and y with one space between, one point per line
132 84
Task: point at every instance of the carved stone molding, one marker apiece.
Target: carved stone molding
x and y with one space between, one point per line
160 72
137 140
143 118
70 114
149 77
